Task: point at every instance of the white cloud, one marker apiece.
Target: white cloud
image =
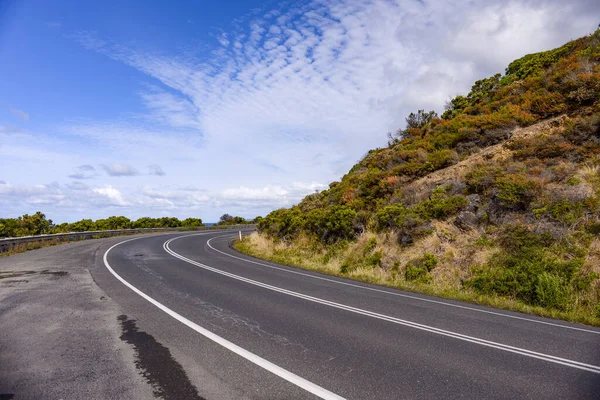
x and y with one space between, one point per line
294 94
339 75
222 38
119 170
129 138
266 193
111 196
501 32
270 196
48 194
170 110
84 171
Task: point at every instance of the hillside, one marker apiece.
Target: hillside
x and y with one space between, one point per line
496 201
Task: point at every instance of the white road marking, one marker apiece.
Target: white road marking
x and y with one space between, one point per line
399 294
471 339
261 362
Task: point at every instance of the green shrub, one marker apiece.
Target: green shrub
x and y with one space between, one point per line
490 280
515 271
408 221
386 217
566 211
594 229
370 246
441 159
414 273
440 205
374 260
583 282
455 107
483 89
419 269
516 239
515 190
484 241
429 261
534 64
338 223
282 223
514 276
551 292
482 177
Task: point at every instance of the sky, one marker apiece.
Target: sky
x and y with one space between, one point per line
200 108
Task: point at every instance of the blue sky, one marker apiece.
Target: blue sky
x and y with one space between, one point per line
145 108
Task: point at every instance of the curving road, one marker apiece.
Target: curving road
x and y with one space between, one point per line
241 327
183 316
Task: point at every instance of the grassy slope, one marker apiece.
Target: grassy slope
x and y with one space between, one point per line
497 202
259 246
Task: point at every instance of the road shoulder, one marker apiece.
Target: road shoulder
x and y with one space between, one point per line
61 336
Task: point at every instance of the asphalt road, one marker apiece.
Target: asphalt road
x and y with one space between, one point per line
204 321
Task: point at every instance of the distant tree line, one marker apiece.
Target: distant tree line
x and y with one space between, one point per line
227 219
37 224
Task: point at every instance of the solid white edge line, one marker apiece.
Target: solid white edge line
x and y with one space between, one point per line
255 359
398 294
471 339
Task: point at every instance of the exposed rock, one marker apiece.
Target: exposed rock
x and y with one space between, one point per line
466 220
481 214
473 202
408 236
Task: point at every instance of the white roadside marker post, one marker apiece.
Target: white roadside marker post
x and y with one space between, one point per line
240 235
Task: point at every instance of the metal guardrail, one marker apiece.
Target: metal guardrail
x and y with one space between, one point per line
8 243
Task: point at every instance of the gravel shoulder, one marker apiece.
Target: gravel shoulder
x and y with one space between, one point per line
60 334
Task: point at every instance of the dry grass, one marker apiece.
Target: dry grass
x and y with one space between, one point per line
456 253
589 172
592 262
23 247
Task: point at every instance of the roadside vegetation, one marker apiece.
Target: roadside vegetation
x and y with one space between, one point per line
38 224
496 201
227 219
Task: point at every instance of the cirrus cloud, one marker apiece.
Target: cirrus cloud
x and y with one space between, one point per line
297 93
